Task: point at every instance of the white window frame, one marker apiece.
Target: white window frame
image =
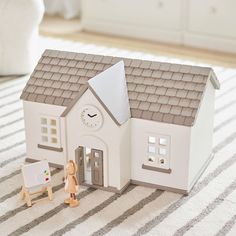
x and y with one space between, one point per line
50 136
158 145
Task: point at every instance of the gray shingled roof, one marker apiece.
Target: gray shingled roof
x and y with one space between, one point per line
162 92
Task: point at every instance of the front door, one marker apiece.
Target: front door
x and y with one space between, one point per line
79 158
97 167
90 166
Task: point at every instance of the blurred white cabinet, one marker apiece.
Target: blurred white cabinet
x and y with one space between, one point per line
201 23
147 19
212 24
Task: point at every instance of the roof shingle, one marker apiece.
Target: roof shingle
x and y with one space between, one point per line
162 92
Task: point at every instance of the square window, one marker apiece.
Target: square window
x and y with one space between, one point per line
54 140
152 139
162 151
151 158
96 154
53 122
44 130
45 139
151 149
43 121
53 131
163 141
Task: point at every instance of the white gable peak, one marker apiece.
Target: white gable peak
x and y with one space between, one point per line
111 89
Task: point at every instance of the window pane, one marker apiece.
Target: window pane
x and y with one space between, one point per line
45 139
53 131
53 122
54 140
162 151
96 154
151 149
151 139
44 130
43 121
163 141
151 159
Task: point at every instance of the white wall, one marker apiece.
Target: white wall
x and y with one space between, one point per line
202 133
179 153
110 138
125 154
32 112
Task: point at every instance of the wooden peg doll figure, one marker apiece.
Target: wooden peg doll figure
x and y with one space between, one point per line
71 184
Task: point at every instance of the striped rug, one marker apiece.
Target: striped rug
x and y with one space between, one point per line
210 208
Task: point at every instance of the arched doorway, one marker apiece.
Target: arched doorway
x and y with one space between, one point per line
91 157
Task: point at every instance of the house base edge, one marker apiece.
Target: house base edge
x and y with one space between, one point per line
161 187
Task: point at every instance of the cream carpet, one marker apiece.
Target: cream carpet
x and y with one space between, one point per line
210 208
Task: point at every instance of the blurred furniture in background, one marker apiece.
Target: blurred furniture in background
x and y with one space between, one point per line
19 21
66 8
208 24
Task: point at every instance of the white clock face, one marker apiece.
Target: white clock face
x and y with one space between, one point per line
91 117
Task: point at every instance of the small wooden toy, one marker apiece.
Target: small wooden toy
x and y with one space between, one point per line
36 176
71 184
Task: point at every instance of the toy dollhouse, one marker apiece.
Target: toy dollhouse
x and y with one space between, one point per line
121 120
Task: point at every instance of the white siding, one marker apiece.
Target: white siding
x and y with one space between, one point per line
179 153
112 139
32 113
202 134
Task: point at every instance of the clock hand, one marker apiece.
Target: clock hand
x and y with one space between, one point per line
91 116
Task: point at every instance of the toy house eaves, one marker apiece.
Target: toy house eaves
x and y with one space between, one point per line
158 91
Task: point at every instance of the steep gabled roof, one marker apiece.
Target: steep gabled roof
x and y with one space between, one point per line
111 89
162 92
